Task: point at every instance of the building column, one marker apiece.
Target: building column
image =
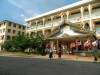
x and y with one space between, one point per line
30 23
36 26
67 14
43 22
82 16
62 16
52 20
52 45
43 31
57 45
90 17
0 47
26 28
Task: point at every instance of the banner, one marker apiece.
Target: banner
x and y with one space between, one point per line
98 31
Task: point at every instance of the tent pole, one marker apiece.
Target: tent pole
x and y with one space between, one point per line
57 44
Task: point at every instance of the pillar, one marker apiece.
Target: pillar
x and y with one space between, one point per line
30 23
67 14
36 26
43 22
26 28
43 31
90 17
52 23
0 47
52 20
57 44
62 16
52 45
82 16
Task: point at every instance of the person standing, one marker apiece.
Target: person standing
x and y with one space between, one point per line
51 54
73 47
59 53
98 44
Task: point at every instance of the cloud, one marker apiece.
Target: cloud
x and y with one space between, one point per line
23 5
21 9
35 7
17 4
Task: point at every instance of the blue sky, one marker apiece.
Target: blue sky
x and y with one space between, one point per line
18 10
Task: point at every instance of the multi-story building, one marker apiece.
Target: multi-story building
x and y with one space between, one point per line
78 21
84 13
9 30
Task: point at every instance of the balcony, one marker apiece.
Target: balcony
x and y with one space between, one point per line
72 18
32 28
48 24
77 17
40 26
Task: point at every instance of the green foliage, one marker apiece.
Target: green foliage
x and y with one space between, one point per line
7 45
21 43
97 53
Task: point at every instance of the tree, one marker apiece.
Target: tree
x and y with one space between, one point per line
7 45
38 43
22 42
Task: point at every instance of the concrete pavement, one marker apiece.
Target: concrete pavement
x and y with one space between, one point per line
37 66
55 56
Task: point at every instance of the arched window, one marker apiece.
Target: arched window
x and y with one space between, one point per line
87 26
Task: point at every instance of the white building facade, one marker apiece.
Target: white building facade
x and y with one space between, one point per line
85 13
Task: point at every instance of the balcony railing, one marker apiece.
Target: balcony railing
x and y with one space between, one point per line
32 28
73 18
40 26
49 24
77 17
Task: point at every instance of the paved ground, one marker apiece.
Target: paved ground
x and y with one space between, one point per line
36 66
55 56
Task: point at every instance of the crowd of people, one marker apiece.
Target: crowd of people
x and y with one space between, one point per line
73 47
